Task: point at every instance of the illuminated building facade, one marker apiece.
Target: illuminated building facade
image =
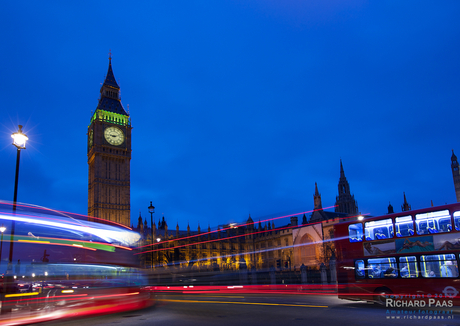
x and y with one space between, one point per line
267 246
250 245
230 247
313 243
109 155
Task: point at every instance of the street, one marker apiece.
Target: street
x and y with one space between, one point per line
241 310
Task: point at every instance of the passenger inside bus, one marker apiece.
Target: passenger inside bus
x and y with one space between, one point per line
359 267
429 273
404 271
377 272
444 265
445 269
390 272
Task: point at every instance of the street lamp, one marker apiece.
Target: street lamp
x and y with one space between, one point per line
151 211
2 229
19 140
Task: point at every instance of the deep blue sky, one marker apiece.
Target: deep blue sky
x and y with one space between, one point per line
237 107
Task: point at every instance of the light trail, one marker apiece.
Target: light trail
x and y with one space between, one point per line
233 227
247 252
238 236
59 298
105 232
245 303
20 294
67 214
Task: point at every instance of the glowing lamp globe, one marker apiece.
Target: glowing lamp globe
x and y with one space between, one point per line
19 139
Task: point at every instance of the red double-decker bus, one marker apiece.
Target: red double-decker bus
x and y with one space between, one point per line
62 265
413 253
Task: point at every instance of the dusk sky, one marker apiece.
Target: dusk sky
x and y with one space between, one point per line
238 106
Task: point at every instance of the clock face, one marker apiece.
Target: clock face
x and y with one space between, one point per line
114 136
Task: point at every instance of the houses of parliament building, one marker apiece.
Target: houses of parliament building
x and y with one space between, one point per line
259 245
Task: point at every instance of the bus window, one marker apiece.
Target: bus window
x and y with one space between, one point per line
359 269
404 226
433 222
376 230
457 221
439 266
382 268
445 225
408 267
355 232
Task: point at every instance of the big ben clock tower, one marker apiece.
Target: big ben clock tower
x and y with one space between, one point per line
109 155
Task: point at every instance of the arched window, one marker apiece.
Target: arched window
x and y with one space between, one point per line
307 249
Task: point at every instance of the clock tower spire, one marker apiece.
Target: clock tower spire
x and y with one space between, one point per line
109 155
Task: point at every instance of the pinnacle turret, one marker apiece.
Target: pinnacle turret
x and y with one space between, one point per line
405 206
342 173
317 197
345 201
390 209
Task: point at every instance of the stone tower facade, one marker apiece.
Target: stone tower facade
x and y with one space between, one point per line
317 199
109 156
345 201
456 175
405 206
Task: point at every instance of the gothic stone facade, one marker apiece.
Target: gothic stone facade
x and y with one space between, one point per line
109 156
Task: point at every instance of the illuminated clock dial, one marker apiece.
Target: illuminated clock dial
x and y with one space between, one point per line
114 136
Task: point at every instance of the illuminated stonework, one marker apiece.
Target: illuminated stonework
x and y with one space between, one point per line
109 161
231 247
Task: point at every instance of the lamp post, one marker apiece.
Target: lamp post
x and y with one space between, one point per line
151 211
159 246
2 229
19 140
